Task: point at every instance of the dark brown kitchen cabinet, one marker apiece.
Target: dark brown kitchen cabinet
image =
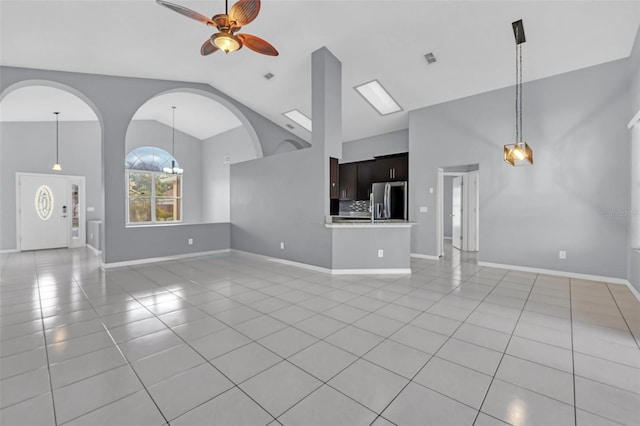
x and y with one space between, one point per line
391 168
365 178
348 181
334 177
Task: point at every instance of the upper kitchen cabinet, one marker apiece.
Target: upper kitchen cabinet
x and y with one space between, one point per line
348 181
334 178
365 178
391 168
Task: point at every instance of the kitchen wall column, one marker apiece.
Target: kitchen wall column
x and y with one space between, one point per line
326 111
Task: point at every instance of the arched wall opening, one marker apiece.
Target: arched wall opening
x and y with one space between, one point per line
205 134
28 144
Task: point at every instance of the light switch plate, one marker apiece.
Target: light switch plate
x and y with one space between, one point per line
424 209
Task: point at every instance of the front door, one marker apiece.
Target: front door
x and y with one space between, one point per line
42 212
456 213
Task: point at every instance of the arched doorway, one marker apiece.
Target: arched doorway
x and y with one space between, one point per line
28 151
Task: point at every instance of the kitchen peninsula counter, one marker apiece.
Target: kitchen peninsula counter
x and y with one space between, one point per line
362 247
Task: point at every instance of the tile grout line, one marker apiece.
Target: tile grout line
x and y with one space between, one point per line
622 315
444 343
46 348
123 355
505 349
573 360
206 361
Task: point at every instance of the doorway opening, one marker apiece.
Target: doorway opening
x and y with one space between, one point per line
458 209
50 211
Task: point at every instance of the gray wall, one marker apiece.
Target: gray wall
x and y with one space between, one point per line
447 197
188 154
357 248
367 148
279 199
575 123
633 274
115 100
216 196
30 147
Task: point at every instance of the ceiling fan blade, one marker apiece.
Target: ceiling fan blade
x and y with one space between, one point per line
257 44
208 48
244 11
186 12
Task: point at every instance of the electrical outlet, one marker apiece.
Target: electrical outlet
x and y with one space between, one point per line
380 253
190 241
562 254
431 190
281 246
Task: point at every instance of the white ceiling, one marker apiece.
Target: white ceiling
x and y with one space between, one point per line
383 39
196 115
37 103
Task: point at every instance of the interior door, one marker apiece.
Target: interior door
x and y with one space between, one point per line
43 212
456 213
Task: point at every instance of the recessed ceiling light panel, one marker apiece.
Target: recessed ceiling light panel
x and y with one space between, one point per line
299 118
378 97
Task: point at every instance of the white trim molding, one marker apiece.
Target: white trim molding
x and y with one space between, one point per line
161 259
94 250
424 256
634 120
390 271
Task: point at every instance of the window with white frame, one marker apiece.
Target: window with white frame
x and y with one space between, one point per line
153 196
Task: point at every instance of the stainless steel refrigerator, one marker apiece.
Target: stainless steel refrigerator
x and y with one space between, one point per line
389 200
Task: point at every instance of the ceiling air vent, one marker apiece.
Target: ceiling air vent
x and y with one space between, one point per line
290 126
268 76
430 58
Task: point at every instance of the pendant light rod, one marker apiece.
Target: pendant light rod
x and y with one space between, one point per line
57 166
57 113
173 131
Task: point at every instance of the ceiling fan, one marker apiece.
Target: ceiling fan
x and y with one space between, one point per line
241 13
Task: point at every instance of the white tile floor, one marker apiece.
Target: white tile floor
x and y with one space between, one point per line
239 340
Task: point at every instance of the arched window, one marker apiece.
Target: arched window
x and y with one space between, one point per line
154 194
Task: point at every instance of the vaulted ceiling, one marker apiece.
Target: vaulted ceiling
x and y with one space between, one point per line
384 40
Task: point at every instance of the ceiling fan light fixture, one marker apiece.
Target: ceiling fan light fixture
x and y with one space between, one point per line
226 42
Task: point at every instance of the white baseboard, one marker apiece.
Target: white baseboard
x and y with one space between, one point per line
161 259
424 256
390 271
633 290
94 250
8 251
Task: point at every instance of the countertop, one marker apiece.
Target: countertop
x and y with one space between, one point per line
392 223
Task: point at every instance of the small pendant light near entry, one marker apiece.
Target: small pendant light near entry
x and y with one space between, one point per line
174 169
519 153
57 166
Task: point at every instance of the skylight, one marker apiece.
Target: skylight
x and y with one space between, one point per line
299 118
378 97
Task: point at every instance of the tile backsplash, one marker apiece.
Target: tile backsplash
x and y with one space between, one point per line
354 206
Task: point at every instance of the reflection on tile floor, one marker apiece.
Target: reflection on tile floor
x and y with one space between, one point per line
235 339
